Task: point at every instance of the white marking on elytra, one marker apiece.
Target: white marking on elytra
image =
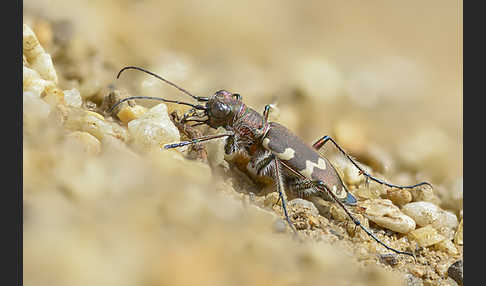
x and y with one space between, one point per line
286 155
309 167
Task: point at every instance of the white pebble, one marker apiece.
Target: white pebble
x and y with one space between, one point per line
384 213
447 220
84 141
72 97
34 108
425 213
32 81
44 66
94 124
35 55
153 129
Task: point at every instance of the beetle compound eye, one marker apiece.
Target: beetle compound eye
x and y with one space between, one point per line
220 110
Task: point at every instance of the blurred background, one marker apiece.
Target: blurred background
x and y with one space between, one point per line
393 69
382 77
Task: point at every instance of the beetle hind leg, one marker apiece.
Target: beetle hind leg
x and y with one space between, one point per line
320 143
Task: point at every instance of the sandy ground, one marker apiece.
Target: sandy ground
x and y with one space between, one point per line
383 79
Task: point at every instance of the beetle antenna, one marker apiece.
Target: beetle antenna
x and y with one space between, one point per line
200 107
198 98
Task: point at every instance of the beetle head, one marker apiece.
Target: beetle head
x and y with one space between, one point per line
222 107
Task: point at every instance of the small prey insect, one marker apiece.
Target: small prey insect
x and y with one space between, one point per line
273 150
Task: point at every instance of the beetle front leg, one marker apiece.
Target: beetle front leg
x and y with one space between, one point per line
319 143
197 140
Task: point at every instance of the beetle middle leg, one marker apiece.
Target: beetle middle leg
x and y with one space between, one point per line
279 181
320 143
264 163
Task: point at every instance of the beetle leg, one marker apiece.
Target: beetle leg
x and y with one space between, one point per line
321 185
279 181
263 128
230 146
301 187
319 143
306 187
196 140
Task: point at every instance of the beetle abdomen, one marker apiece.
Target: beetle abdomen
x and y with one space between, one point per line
302 158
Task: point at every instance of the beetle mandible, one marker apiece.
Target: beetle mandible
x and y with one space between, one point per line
272 149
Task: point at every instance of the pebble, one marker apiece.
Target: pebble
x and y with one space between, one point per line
446 224
385 214
33 107
35 55
456 272
458 236
88 142
417 270
129 113
303 205
447 246
304 213
32 81
271 199
412 280
425 213
370 192
322 205
338 213
72 97
388 258
153 129
53 95
425 194
93 123
426 236
399 197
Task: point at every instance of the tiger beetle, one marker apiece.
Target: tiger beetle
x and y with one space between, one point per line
273 150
